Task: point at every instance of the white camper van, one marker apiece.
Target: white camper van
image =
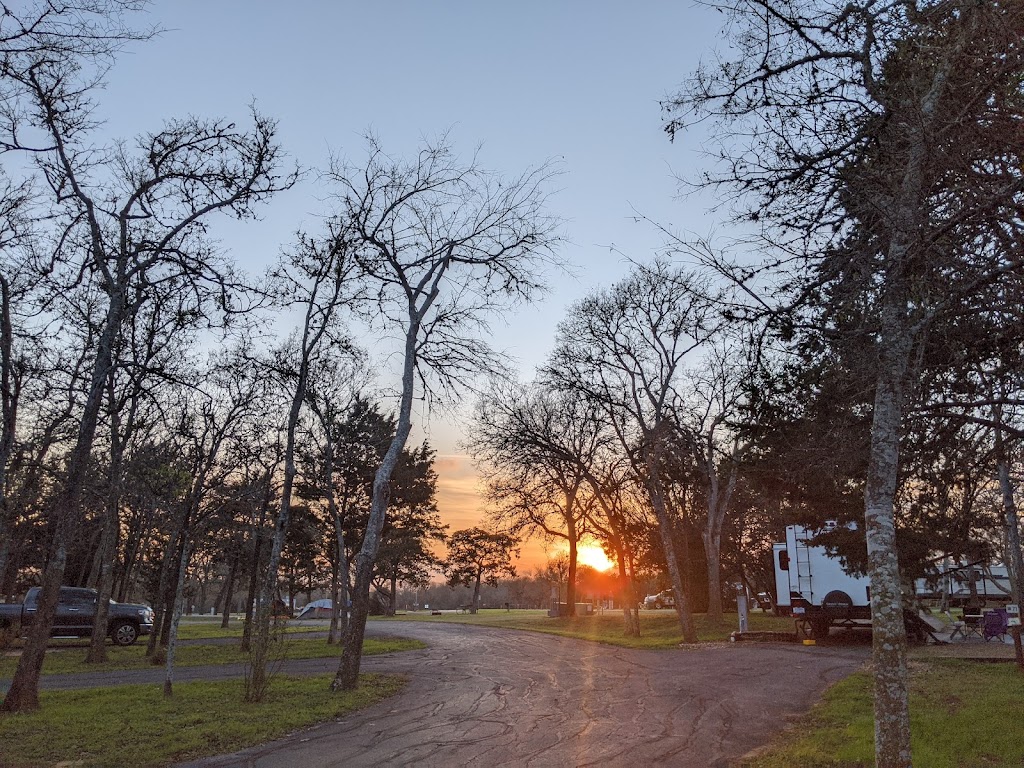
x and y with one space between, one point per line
810 584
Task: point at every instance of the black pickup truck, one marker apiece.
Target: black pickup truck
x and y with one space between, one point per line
76 608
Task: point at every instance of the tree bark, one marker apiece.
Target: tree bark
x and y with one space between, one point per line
97 653
570 586
229 588
10 391
172 639
889 640
475 605
719 500
656 494
23 695
630 619
107 553
347 677
1013 542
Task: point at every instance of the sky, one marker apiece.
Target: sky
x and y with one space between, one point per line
576 82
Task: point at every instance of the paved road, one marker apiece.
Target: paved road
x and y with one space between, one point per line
490 697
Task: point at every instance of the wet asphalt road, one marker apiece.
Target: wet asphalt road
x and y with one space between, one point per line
491 697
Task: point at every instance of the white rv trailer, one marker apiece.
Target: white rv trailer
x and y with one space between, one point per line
811 584
952 581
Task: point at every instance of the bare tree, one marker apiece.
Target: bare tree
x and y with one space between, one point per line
333 395
715 392
82 36
153 360
142 225
443 246
879 143
624 350
17 277
316 276
538 440
532 455
218 416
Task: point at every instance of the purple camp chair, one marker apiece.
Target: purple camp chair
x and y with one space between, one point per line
996 624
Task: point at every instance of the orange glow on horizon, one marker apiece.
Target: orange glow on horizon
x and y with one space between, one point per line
461 505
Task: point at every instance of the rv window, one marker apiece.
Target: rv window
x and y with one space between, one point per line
783 560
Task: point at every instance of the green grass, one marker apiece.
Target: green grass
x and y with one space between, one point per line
963 715
71 660
136 726
658 629
199 628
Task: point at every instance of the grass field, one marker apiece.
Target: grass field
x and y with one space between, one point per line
658 629
963 715
65 660
136 726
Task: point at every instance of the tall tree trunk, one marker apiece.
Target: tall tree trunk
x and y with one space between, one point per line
107 551
172 640
570 585
719 500
257 554
1013 543
159 607
10 391
889 640
254 582
713 554
656 495
229 589
475 604
630 618
97 653
393 602
347 677
332 630
171 596
23 695
339 580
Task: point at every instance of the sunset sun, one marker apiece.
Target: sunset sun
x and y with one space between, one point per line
594 556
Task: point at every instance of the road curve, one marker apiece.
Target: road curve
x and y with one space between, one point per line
491 697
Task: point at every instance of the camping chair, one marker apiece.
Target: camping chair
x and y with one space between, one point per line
974 624
996 624
958 627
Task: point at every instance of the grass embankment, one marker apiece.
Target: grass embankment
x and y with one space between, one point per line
68 660
209 628
658 629
962 714
135 725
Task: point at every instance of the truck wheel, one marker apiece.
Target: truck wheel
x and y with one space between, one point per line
819 628
124 633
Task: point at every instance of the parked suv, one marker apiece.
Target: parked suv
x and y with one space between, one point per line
76 609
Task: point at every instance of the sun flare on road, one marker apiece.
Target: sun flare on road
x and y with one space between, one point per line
594 556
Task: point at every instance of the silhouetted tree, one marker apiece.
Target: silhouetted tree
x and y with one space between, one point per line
477 556
442 246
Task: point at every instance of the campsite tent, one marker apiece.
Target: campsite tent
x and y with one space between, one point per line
318 609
